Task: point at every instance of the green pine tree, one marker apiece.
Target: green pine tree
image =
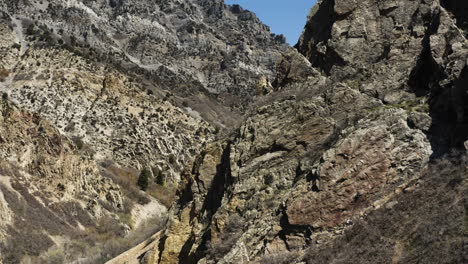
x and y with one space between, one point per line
160 178
143 179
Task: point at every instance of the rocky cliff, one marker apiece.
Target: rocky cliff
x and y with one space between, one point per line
352 150
96 94
347 162
183 46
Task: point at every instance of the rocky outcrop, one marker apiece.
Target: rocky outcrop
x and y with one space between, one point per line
360 171
186 47
103 110
324 151
364 42
427 216
278 176
109 90
47 187
341 131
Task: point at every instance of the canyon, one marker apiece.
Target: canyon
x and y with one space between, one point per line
350 147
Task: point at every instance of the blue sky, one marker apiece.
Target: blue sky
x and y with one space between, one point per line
286 17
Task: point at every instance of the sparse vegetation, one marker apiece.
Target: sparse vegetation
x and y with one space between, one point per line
143 179
280 258
4 73
78 142
227 239
12 253
167 96
126 218
419 104
160 178
268 179
432 230
239 187
127 179
54 256
165 194
354 84
117 245
172 159
16 46
31 30
100 241
171 126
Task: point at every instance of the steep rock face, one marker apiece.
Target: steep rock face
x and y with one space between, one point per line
324 152
107 89
278 190
50 191
154 50
396 51
74 133
102 109
426 217
341 137
381 153
185 46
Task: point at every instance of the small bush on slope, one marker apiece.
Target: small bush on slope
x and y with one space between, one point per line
143 179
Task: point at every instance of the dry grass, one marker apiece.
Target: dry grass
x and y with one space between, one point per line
126 175
10 169
4 73
227 239
29 236
113 243
127 178
165 194
427 224
280 258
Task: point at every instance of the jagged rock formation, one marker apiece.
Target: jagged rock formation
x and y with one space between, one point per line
42 175
102 108
374 44
422 223
321 161
346 131
184 46
93 93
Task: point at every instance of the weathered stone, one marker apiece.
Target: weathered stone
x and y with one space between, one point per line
324 153
335 132
344 6
420 121
361 166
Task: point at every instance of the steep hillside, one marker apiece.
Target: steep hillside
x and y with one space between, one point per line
99 97
348 148
183 46
344 144
397 51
